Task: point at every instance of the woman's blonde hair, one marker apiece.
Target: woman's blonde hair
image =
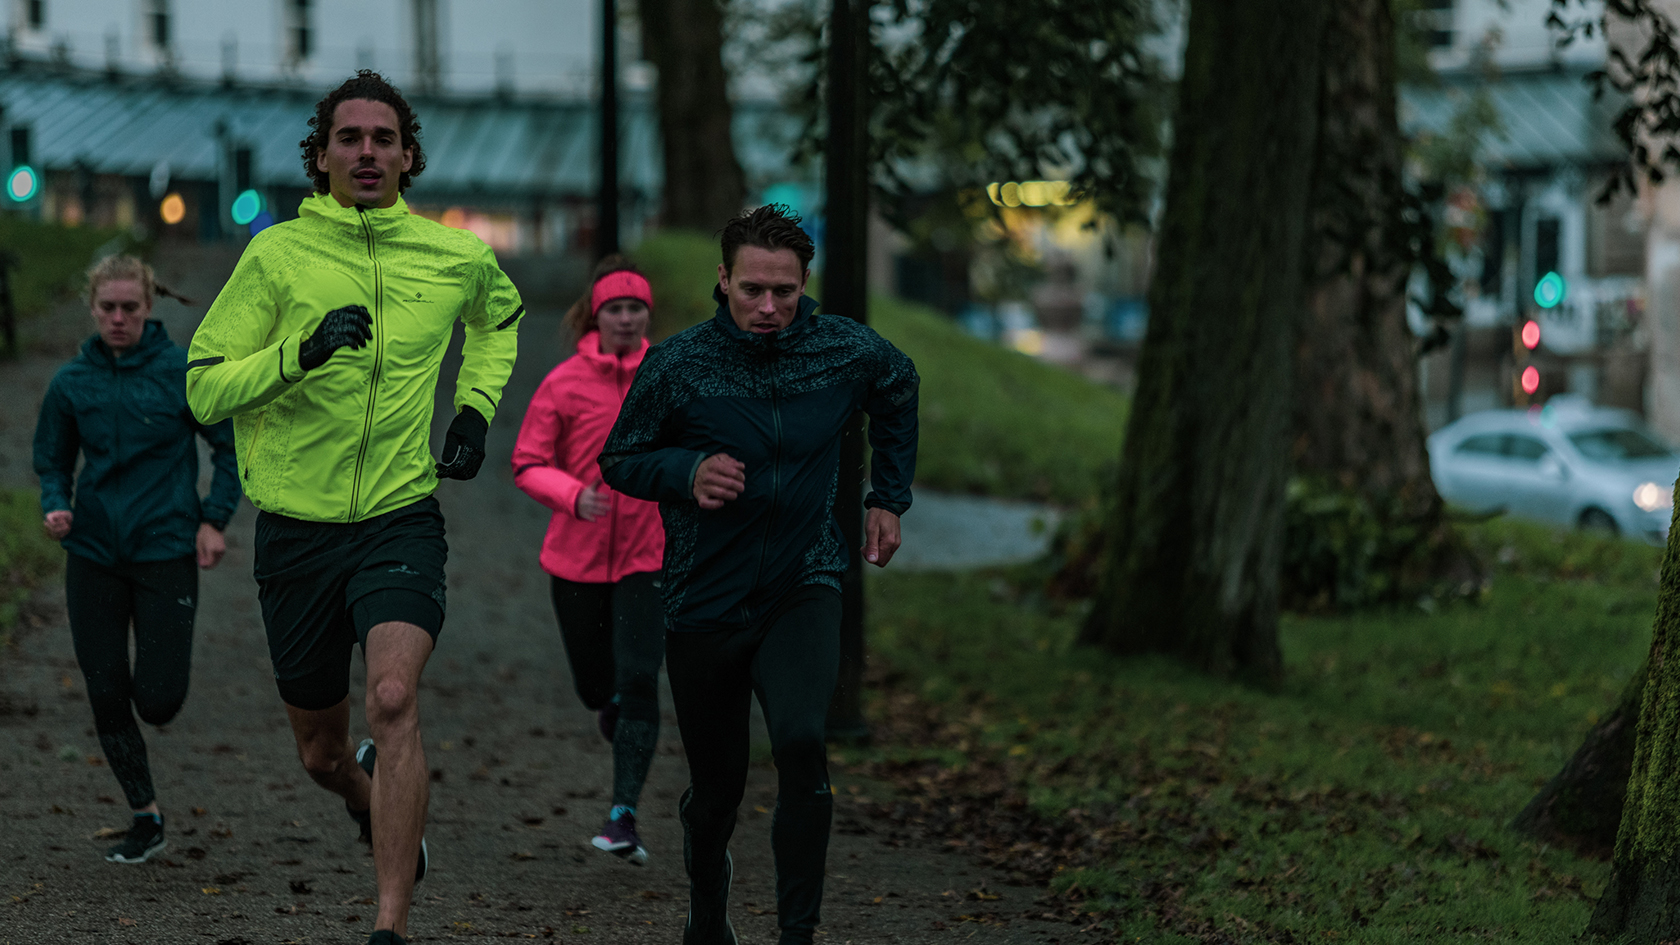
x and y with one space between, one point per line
124 267
580 318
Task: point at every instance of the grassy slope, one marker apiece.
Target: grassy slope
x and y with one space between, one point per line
50 259
1366 801
27 555
993 422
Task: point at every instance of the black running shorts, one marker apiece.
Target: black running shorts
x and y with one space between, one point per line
324 585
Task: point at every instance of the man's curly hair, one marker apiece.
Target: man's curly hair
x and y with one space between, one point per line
371 86
772 226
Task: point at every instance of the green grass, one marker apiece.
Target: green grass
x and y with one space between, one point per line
27 555
993 422
1365 800
50 259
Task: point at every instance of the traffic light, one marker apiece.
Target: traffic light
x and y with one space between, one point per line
1524 340
1550 290
23 182
248 204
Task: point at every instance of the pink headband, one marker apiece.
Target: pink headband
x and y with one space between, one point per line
620 285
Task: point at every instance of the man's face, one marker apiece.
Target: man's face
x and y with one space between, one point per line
120 308
364 158
764 288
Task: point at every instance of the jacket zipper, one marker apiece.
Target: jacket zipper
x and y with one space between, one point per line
378 360
116 524
612 511
775 468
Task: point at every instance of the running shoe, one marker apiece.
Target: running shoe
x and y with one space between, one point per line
364 818
607 718
144 838
386 937
708 916
619 838
366 754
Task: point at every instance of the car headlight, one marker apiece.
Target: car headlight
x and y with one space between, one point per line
1651 497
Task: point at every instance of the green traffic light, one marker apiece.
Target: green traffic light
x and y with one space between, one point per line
1550 290
23 183
246 206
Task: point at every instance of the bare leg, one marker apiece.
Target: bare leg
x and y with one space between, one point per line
396 653
323 744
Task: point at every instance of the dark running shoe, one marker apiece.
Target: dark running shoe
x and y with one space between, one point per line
619 838
366 754
386 937
144 838
364 818
708 916
607 718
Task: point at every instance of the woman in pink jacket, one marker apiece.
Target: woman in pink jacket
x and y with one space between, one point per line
604 551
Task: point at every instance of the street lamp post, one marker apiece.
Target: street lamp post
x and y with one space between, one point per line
606 206
845 292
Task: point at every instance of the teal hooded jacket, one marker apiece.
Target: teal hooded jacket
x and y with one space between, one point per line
137 496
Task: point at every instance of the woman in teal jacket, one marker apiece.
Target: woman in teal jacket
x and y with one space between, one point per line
132 523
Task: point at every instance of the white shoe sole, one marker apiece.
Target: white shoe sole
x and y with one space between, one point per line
119 858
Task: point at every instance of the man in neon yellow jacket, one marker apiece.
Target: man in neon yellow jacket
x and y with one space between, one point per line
324 348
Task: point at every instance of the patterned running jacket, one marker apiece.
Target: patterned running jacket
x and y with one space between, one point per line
349 440
778 403
136 498
554 460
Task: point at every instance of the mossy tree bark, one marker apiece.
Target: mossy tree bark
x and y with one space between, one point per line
704 183
1195 539
1580 808
1642 900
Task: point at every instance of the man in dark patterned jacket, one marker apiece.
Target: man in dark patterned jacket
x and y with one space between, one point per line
733 427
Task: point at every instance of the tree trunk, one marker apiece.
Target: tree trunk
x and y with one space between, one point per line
1357 426
704 184
1581 807
1357 421
1197 528
1642 900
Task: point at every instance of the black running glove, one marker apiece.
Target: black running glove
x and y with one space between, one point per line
348 326
463 446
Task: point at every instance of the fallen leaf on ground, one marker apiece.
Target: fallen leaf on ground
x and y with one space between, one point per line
104 832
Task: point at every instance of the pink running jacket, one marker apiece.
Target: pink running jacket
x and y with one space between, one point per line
554 460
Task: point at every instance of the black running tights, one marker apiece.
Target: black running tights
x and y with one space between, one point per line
790 658
615 641
158 598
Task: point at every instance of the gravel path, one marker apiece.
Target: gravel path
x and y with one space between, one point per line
258 854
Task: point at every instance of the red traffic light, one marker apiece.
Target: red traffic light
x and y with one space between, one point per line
1530 378
1531 335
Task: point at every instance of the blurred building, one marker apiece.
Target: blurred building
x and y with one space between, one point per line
1525 232
160 114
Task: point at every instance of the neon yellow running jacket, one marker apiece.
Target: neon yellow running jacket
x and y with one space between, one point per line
348 440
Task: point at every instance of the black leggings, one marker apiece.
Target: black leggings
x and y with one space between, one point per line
159 598
790 658
615 641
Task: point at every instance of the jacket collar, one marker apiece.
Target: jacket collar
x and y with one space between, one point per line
326 207
589 349
726 322
152 340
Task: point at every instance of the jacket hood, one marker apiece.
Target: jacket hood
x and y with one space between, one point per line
726 321
589 349
153 339
326 207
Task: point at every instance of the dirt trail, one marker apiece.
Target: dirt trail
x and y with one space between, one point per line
258 854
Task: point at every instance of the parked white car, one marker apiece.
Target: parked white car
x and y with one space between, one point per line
1568 463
